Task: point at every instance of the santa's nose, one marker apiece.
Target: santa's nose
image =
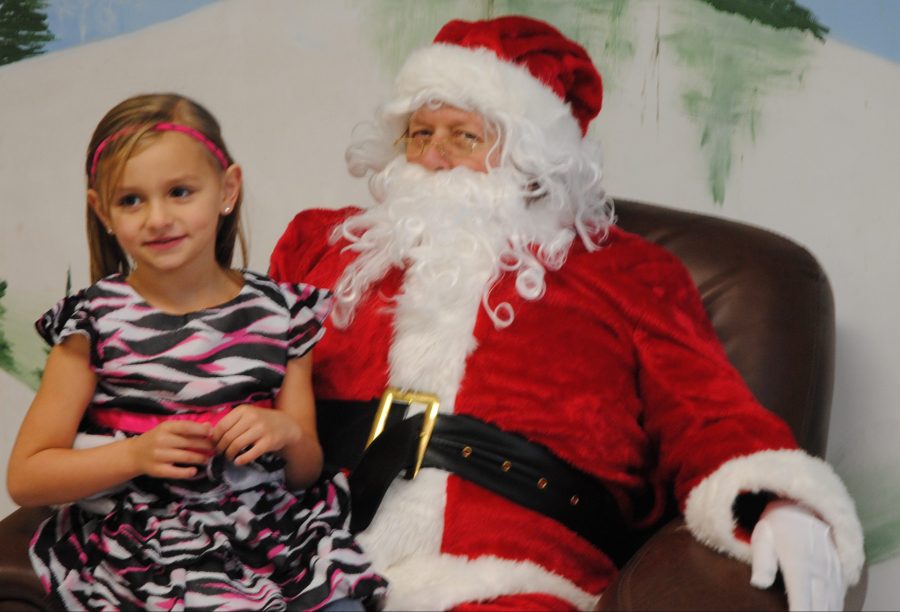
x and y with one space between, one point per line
434 157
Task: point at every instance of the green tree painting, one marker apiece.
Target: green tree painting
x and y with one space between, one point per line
738 52
6 357
780 14
23 29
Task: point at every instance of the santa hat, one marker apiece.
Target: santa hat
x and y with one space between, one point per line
514 67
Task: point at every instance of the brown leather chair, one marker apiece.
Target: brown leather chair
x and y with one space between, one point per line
771 304
772 307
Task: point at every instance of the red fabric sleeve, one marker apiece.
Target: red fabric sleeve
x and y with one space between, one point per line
303 242
698 409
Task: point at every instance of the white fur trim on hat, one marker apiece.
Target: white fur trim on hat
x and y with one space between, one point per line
476 79
441 582
790 474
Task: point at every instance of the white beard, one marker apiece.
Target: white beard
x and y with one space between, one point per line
456 227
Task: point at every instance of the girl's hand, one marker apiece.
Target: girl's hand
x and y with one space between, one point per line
247 432
170 449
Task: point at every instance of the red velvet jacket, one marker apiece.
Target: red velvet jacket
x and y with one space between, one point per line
616 369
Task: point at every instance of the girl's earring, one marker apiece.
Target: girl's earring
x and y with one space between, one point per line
227 210
110 231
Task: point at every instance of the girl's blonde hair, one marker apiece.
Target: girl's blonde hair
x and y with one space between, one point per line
125 127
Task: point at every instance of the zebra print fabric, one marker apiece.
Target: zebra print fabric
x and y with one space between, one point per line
231 538
196 365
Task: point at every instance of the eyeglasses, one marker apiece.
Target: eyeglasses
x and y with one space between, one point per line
460 144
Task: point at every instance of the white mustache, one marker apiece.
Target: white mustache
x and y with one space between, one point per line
454 226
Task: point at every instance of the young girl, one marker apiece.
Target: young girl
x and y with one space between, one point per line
175 420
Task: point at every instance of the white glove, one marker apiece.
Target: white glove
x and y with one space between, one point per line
791 537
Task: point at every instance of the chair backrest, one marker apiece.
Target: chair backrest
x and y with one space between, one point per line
769 301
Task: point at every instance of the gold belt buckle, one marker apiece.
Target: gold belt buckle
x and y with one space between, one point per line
391 395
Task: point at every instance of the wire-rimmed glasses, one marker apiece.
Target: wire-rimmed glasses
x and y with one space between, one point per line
459 144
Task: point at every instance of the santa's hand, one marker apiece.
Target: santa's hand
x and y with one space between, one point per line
790 537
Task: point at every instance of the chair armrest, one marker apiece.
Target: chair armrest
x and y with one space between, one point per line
20 588
673 571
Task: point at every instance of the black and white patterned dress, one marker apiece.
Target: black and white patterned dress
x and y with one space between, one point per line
232 537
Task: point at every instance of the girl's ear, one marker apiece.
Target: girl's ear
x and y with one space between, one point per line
231 188
93 199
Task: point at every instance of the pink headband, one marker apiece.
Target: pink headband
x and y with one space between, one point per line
161 127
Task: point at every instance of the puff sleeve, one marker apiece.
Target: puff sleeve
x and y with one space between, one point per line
308 307
71 315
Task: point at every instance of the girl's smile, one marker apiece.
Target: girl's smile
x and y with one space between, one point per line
162 244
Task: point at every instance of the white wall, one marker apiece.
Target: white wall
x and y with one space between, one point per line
14 397
288 80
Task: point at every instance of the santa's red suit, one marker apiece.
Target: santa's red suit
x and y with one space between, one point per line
614 366
616 370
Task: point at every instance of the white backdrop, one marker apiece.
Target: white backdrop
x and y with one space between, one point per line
288 80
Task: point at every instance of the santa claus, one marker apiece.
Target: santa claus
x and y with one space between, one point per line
563 379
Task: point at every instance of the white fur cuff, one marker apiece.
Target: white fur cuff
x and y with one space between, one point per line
443 581
791 474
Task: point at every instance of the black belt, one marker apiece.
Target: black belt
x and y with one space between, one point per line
502 462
